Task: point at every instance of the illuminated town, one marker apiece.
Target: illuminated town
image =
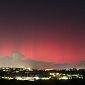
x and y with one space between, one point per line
42 42
10 73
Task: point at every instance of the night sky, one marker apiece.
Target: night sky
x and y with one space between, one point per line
50 30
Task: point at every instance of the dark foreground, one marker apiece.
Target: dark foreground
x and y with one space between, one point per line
45 82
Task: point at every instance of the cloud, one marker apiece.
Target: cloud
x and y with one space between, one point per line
15 60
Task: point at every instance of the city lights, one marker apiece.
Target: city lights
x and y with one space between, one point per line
34 75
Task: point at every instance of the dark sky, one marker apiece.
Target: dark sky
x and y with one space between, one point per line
50 30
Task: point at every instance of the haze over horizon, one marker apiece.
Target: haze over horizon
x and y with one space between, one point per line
17 60
49 31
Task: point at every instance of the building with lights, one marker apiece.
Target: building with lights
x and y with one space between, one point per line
32 75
